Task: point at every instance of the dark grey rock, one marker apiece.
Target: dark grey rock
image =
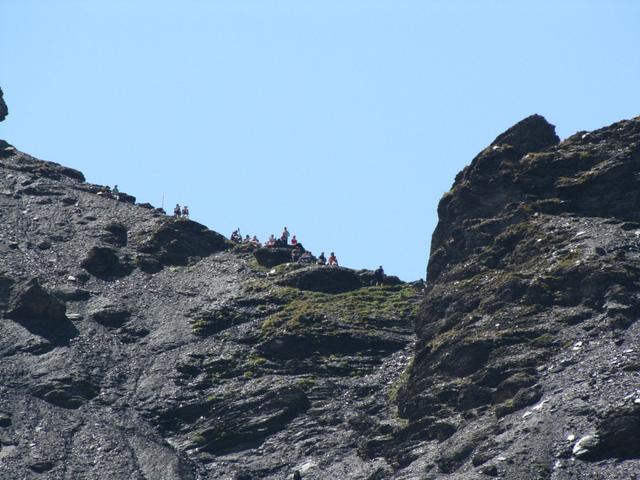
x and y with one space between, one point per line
111 316
32 303
181 241
271 257
323 279
105 263
116 234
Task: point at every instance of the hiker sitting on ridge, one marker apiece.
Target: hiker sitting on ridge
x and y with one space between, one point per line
322 260
294 240
271 242
378 276
296 253
306 257
177 211
333 260
236 237
256 242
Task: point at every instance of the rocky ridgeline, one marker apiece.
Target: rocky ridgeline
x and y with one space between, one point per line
138 346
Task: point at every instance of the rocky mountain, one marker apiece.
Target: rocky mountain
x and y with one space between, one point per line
140 346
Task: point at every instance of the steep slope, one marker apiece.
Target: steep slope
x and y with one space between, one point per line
528 338
138 346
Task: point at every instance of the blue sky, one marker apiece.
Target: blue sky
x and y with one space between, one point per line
344 120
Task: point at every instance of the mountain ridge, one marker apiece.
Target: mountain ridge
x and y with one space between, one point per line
136 345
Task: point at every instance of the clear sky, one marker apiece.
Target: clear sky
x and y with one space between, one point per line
344 120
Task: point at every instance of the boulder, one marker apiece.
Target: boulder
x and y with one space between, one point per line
270 257
40 312
182 241
126 198
323 279
111 316
103 262
30 302
148 263
116 234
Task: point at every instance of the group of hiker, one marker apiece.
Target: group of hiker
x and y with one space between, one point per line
181 212
298 253
236 237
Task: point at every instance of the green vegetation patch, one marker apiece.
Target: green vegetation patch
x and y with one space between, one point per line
357 307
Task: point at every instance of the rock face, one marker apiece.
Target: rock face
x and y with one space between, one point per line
527 338
149 348
323 279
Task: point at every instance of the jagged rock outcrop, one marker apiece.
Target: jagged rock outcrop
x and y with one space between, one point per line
182 241
529 328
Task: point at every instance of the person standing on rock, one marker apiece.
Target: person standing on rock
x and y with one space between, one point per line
285 236
322 260
378 275
333 260
185 211
115 192
177 211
